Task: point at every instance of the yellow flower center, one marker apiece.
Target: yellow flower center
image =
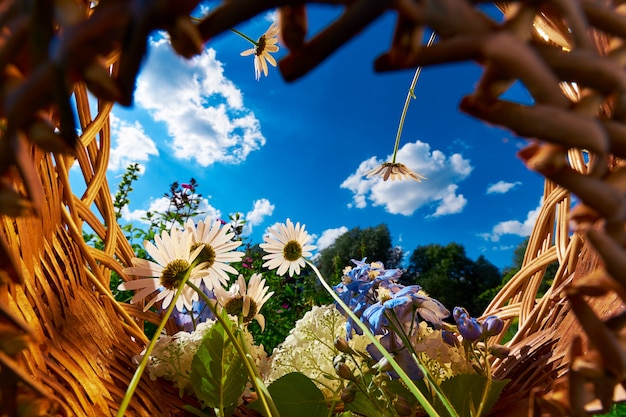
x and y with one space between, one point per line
173 274
292 251
260 46
207 254
234 307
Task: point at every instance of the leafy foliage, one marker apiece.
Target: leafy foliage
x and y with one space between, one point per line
218 375
295 395
373 243
293 297
465 394
447 274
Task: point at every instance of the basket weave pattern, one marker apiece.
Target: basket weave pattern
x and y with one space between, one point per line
83 340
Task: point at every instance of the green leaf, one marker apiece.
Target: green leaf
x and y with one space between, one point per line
295 395
363 405
465 391
218 374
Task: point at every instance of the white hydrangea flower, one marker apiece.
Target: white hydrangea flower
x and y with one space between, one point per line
309 348
172 356
443 360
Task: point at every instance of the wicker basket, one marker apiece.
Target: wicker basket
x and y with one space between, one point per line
56 287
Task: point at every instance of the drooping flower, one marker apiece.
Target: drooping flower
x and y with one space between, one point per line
262 49
286 247
217 249
245 300
173 255
396 171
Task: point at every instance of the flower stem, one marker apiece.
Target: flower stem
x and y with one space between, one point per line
132 386
428 408
253 372
246 37
409 96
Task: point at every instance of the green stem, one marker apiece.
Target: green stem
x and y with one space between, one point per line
132 386
409 96
253 372
428 408
397 328
246 37
483 398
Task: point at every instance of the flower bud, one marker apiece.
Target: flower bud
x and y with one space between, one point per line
402 406
469 328
499 351
449 338
344 371
458 312
342 346
348 394
492 326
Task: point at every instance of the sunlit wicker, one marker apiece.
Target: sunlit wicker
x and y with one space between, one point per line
55 287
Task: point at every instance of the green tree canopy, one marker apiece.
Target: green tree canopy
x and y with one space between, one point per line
447 274
373 243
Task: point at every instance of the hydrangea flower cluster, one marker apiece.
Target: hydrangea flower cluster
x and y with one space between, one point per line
309 348
172 355
392 311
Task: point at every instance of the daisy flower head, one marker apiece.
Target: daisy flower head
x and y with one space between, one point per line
245 300
286 247
173 258
214 240
394 170
262 49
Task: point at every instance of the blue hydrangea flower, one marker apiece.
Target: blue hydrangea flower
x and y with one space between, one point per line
358 287
404 301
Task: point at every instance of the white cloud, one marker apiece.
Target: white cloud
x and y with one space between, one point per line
131 144
451 202
260 210
502 187
161 204
439 190
329 236
202 110
514 227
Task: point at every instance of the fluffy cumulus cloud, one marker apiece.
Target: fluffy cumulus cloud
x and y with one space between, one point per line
439 192
329 236
161 205
261 209
202 110
502 187
131 144
514 227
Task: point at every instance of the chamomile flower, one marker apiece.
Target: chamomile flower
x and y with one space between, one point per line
217 249
262 49
245 300
173 257
286 247
395 171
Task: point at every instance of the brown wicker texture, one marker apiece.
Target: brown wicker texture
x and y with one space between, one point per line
55 287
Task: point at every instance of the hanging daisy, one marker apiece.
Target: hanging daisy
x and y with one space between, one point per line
245 300
262 49
216 250
286 247
395 171
173 257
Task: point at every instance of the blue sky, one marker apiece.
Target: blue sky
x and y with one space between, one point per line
273 150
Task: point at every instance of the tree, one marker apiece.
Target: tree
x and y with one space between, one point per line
373 243
447 274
